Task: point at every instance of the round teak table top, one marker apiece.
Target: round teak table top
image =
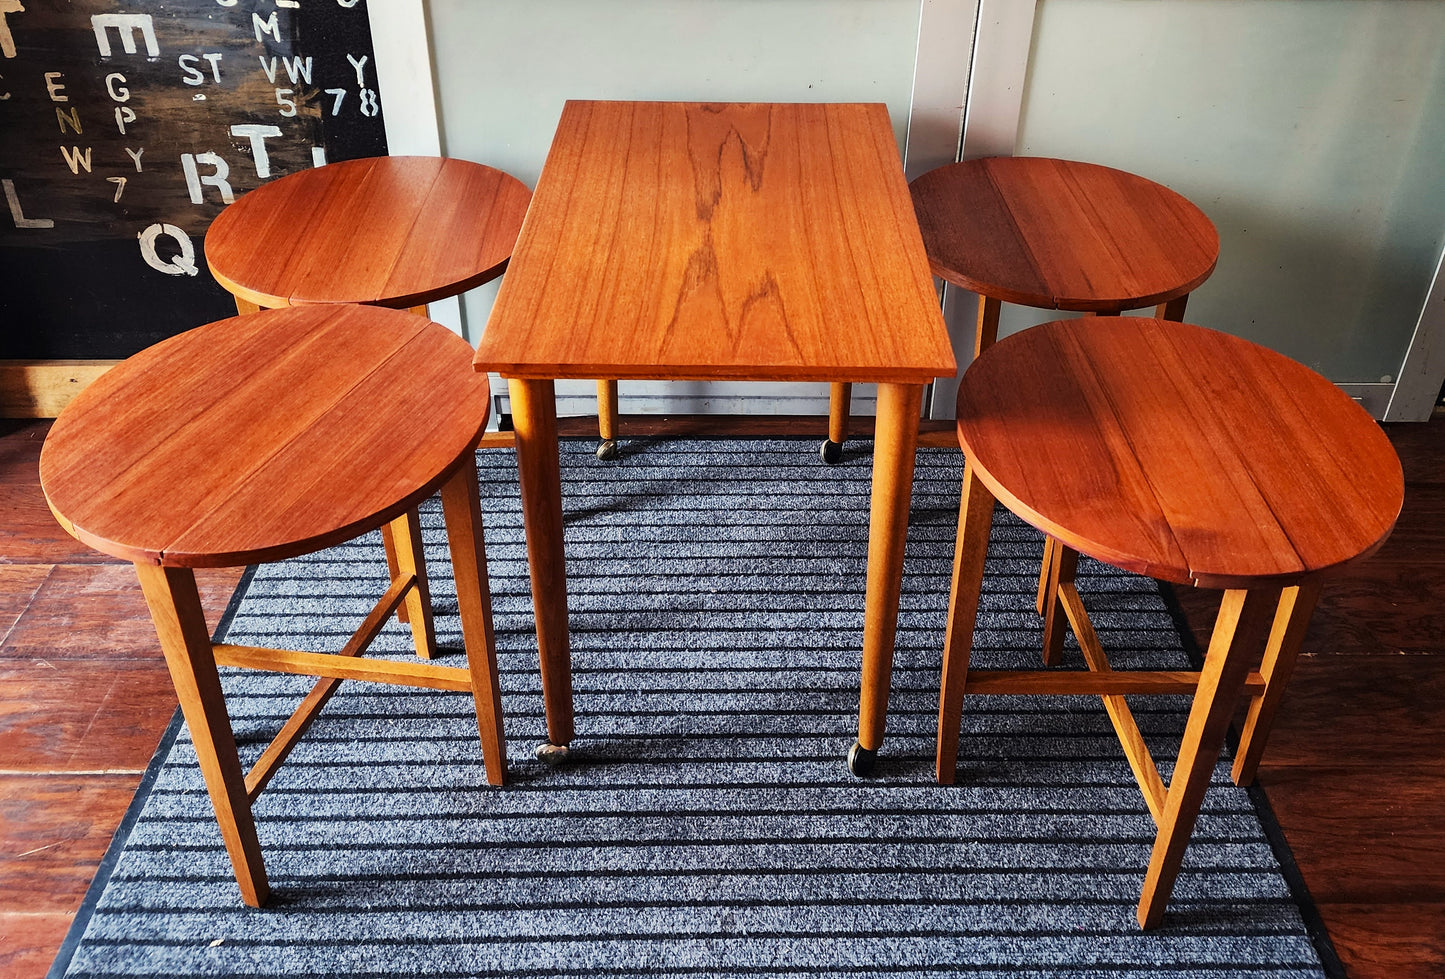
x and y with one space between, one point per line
394 231
265 436
1178 452
1057 234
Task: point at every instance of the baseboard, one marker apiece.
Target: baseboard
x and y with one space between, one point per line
41 388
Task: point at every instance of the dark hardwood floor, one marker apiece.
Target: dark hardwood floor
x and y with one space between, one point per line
1355 772
84 698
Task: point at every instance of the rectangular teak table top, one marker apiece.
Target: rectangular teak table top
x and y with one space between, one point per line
694 241
683 241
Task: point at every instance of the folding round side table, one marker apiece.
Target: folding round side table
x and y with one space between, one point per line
394 231
1059 234
265 437
1182 454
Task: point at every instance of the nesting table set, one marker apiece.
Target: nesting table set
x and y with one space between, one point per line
742 242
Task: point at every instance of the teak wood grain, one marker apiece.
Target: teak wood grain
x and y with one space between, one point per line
696 241
1059 234
265 436
1192 456
390 231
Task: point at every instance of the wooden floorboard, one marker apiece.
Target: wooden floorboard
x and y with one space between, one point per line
1355 771
84 700
1387 939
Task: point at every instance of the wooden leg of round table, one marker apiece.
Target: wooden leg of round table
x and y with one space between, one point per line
1172 310
393 568
180 623
975 522
1296 605
987 333
1243 619
894 447
1042 602
1061 563
409 560
534 417
461 505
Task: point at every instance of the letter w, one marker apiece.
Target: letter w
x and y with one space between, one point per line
75 159
296 69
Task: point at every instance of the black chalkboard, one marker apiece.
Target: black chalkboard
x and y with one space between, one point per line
125 128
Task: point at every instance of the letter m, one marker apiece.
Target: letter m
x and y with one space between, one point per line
271 26
125 26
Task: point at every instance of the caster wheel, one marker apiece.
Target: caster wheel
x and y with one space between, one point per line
608 450
860 759
552 755
831 452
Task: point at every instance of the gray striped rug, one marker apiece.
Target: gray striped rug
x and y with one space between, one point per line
708 825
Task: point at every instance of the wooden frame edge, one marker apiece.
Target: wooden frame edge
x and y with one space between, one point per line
42 388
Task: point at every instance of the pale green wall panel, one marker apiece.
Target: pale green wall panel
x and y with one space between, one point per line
505 67
1312 132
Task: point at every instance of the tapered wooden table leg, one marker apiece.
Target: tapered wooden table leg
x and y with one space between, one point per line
894 447
975 521
180 623
461 506
1296 605
534 417
406 553
607 419
840 401
1243 618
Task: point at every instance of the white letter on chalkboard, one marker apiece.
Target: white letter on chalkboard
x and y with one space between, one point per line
272 26
182 264
117 93
360 67
125 26
216 180
21 221
348 3
123 115
214 57
75 160
7 43
54 87
296 68
135 155
73 117
193 74
318 156
258 136
119 187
